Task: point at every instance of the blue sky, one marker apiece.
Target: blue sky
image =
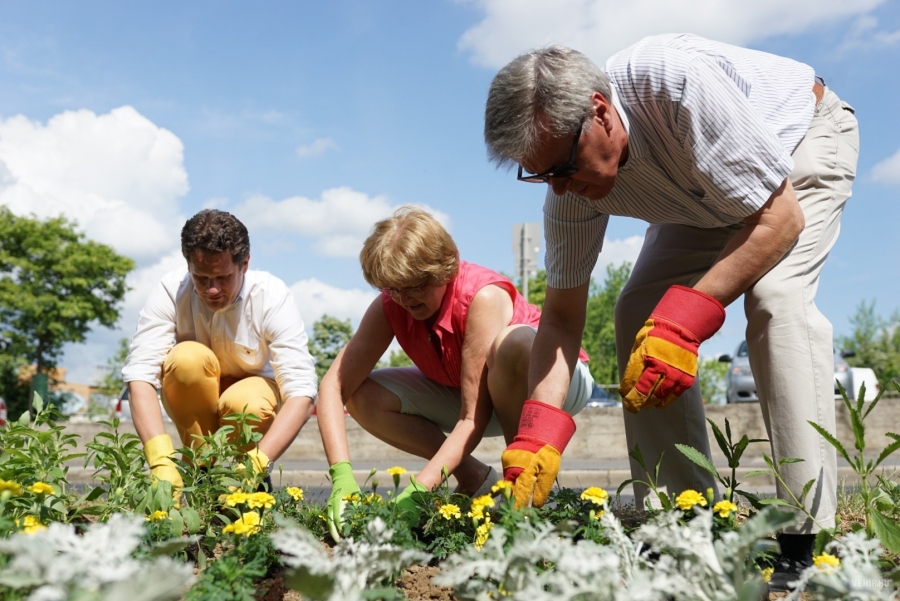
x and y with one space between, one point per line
310 121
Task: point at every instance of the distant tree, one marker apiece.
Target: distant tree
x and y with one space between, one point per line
330 334
711 373
875 342
54 286
399 358
112 383
599 338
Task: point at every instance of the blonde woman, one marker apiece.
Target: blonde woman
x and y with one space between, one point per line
469 334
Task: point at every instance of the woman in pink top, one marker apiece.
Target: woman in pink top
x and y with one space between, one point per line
468 332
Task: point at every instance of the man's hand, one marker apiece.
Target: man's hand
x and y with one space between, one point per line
158 451
531 462
663 362
409 500
342 484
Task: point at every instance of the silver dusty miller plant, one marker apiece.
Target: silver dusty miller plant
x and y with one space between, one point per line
666 559
57 564
353 567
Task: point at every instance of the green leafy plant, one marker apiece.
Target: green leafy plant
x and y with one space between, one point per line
119 462
666 501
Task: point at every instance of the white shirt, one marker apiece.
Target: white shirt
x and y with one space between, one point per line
711 128
260 334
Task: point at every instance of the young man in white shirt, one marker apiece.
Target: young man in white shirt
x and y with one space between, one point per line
216 339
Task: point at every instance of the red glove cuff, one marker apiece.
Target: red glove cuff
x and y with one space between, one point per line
699 313
545 424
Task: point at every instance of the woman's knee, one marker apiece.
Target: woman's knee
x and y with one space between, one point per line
511 349
371 398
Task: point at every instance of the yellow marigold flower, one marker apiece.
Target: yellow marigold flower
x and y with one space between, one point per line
596 515
688 499
724 508
450 511
31 524
236 498
502 485
396 470
14 488
352 497
482 502
259 500
296 493
826 562
374 497
595 495
767 574
246 525
41 488
157 516
482 533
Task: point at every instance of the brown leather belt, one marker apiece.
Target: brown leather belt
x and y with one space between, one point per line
818 91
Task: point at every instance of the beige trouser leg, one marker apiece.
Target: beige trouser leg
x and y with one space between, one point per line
197 399
790 341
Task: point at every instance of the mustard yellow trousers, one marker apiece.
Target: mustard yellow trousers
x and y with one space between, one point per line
198 398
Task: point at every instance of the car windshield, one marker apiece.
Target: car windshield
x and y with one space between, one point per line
742 352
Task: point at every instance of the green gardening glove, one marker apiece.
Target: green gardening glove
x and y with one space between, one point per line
409 501
342 484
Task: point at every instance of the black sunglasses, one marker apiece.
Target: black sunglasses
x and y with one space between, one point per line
567 169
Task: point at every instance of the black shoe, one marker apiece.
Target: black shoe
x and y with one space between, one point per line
795 556
786 572
266 485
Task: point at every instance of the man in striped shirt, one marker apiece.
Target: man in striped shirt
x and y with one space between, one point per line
741 162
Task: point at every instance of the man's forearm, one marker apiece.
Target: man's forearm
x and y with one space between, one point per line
767 236
294 413
145 410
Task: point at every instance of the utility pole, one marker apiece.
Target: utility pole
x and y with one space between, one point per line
526 243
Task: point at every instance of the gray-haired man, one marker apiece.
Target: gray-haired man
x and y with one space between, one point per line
741 162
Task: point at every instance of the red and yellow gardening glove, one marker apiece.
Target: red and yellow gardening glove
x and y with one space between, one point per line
159 451
531 462
663 362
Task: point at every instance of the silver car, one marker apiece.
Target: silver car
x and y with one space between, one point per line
741 388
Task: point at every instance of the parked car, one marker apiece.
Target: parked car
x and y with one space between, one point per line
864 375
740 387
601 397
122 406
3 416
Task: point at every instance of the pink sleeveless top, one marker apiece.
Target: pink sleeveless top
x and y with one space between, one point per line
415 337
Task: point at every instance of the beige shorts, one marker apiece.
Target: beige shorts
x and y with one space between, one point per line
441 404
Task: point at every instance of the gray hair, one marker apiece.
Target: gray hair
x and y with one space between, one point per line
546 90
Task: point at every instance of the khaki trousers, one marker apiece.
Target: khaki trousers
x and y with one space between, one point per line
790 341
198 398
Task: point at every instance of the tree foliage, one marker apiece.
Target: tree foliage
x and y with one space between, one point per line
112 383
330 334
599 338
875 342
711 373
399 358
55 285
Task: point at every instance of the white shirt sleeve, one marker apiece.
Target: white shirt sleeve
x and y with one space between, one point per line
574 231
153 338
295 370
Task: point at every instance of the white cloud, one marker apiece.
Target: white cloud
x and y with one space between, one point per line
600 28
865 34
339 221
616 252
315 299
316 148
117 174
888 170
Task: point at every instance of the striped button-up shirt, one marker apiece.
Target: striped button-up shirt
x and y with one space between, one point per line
711 128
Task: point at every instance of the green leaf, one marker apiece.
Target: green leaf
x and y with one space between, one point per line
789 460
773 501
887 451
38 403
823 537
887 530
314 586
24 419
623 485
720 440
832 440
739 449
191 519
806 488
698 458
171 546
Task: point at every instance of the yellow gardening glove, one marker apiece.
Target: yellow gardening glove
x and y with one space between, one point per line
259 460
159 451
531 461
663 361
